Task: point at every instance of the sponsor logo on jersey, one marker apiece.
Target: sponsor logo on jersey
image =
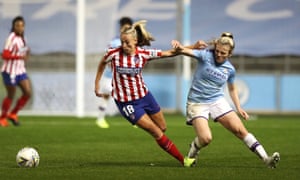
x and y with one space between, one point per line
128 70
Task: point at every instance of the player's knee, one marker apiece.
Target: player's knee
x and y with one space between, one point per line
27 95
162 127
204 141
242 135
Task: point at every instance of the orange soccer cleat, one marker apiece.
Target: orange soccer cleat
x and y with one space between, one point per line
14 119
3 122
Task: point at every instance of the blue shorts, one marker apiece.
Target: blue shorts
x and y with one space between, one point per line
13 80
134 110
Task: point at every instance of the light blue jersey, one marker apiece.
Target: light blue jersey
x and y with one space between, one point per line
107 73
115 43
209 78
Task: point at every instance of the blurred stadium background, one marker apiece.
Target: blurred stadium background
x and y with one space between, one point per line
68 38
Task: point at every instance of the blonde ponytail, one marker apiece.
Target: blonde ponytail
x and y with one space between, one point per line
139 31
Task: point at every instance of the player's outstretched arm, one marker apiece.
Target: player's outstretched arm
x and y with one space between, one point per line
169 53
180 49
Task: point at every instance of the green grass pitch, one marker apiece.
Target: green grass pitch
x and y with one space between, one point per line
72 148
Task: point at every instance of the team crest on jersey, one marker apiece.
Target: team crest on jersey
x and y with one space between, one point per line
225 71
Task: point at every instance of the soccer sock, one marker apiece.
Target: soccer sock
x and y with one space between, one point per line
255 146
101 113
194 148
102 109
197 143
5 106
166 144
20 104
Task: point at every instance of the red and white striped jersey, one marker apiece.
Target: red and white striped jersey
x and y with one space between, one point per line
15 48
127 80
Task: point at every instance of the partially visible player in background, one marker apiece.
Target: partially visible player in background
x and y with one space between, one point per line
107 105
206 97
132 96
123 23
14 55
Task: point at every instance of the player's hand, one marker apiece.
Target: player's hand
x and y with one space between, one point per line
103 95
25 57
200 45
244 114
176 45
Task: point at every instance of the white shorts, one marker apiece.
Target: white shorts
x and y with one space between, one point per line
204 110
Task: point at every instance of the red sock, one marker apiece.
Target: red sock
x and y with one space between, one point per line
20 104
5 106
165 143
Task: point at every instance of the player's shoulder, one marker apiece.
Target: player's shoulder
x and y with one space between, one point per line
229 65
202 52
12 35
10 39
140 50
111 51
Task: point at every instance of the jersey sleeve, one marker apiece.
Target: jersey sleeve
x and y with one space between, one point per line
153 53
199 54
231 77
109 53
150 54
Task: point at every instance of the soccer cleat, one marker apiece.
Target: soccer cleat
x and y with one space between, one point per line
189 162
3 122
102 123
272 161
14 119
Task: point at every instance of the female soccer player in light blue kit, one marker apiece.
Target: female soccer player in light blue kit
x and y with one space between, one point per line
206 97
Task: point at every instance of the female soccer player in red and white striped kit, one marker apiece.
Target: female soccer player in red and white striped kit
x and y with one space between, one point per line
134 100
15 55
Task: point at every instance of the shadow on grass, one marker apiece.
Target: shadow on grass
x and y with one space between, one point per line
130 164
168 164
